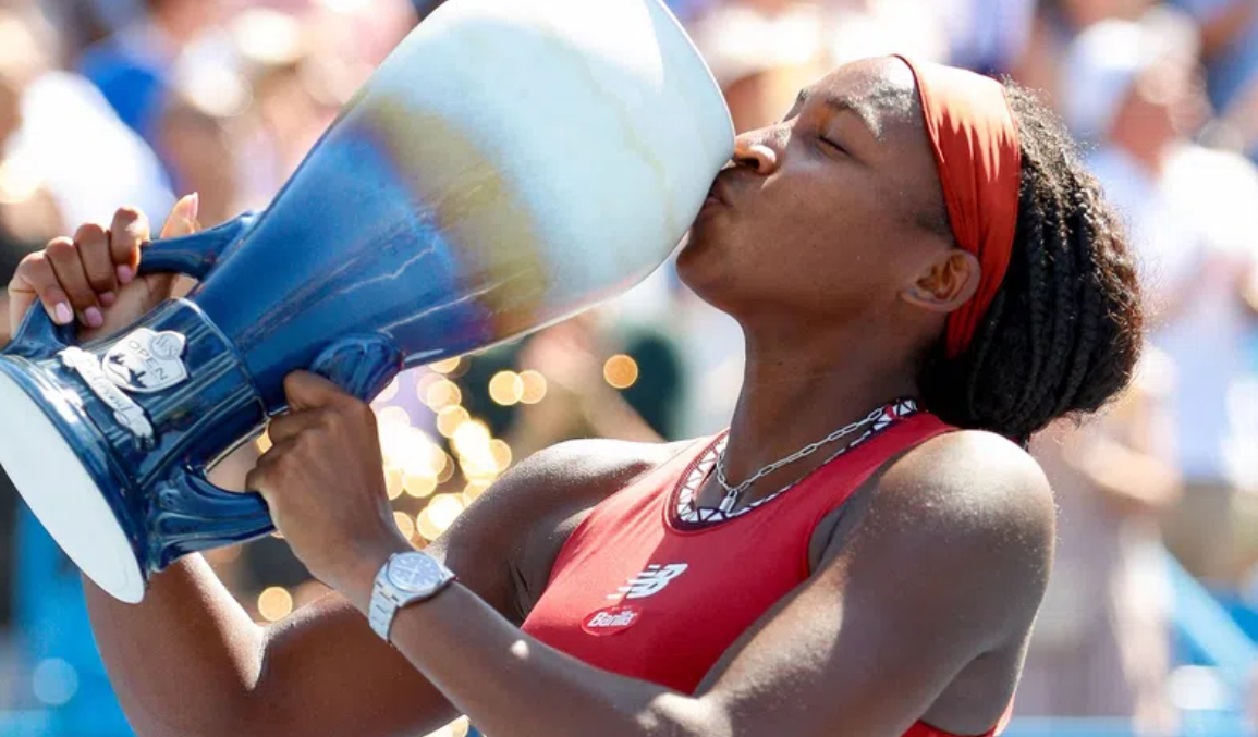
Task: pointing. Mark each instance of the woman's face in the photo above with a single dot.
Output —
(833, 212)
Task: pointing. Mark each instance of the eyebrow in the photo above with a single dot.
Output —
(847, 104)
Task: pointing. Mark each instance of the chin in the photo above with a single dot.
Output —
(690, 256)
(703, 269)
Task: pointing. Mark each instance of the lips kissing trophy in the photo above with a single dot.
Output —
(511, 163)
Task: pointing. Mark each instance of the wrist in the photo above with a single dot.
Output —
(360, 574)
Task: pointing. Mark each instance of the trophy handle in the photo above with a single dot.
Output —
(195, 255)
(362, 365)
(38, 337)
(190, 514)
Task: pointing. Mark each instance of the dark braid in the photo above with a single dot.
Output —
(1063, 334)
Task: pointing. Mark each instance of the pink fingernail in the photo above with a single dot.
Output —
(62, 314)
(93, 317)
(126, 274)
(107, 299)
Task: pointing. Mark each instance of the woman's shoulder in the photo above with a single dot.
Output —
(971, 502)
(969, 479)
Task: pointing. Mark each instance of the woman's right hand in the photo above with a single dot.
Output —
(92, 277)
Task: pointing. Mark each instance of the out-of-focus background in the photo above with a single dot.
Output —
(1151, 621)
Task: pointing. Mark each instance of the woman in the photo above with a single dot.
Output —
(917, 259)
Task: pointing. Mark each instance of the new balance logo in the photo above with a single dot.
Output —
(649, 582)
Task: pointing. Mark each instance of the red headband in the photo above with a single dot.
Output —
(975, 141)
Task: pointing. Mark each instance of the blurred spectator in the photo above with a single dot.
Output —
(1082, 14)
(1101, 644)
(133, 68)
(29, 215)
(70, 141)
(197, 145)
(1054, 26)
(988, 36)
(762, 52)
(291, 100)
(1229, 48)
(858, 29)
(1131, 87)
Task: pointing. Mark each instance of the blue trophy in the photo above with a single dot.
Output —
(512, 163)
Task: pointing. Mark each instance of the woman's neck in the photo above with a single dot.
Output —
(795, 395)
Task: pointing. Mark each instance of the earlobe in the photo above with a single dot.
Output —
(948, 283)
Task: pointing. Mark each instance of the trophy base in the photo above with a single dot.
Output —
(62, 492)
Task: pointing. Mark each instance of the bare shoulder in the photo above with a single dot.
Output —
(971, 482)
(976, 510)
(517, 527)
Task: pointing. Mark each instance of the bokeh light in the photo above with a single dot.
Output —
(405, 524)
(394, 478)
(437, 517)
(54, 682)
(620, 371)
(275, 603)
(420, 485)
(442, 393)
(447, 366)
(534, 387)
(506, 388)
(449, 419)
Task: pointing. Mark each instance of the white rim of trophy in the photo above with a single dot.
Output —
(57, 487)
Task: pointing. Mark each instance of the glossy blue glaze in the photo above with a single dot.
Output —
(354, 294)
(414, 231)
(157, 489)
(367, 263)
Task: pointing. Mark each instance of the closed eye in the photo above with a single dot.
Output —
(832, 144)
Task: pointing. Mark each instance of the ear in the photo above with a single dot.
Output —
(946, 283)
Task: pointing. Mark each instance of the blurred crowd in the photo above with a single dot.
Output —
(131, 102)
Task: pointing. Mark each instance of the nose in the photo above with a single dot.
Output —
(756, 150)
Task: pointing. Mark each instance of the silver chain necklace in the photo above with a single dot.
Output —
(734, 493)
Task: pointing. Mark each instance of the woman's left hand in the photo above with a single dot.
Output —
(323, 479)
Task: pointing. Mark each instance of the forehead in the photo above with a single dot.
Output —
(882, 90)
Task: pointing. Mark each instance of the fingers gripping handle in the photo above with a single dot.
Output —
(194, 255)
(193, 514)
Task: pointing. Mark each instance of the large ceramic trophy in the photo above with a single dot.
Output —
(510, 164)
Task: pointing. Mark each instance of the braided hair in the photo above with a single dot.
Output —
(1063, 334)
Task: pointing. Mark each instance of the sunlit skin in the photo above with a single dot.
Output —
(823, 240)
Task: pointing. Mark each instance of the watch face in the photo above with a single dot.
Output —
(414, 572)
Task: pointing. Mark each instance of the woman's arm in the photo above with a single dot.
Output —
(188, 661)
(949, 566)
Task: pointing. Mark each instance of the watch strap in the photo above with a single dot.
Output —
(387, 600)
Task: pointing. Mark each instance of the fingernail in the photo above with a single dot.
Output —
(92, 317)
(126, 274)
(107, 299)
(62, 314)
(192, 203)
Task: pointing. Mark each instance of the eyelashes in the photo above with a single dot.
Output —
(832, 144)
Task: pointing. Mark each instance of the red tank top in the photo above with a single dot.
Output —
(639, 592)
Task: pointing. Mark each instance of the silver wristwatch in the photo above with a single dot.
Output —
(404, 579)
